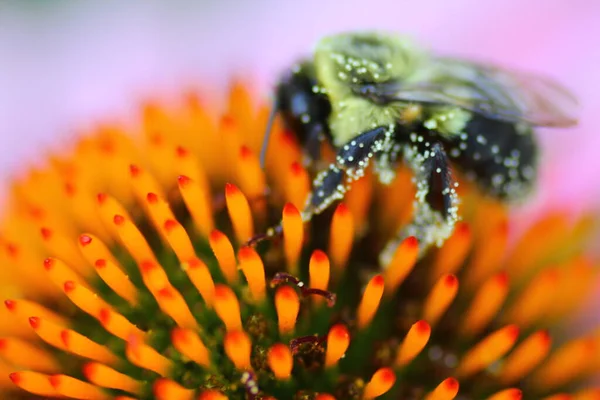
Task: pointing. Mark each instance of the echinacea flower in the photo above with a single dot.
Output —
(126, 274)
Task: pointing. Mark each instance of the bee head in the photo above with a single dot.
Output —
(348, 60)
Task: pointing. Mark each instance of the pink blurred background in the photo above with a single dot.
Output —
(66, 63)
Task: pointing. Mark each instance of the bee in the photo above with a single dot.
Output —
(380, 99)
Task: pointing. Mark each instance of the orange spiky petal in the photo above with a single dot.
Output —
(188, 343)
(439, 299)
(381, 382)
(223, 251)
(166, 389)
(143, 183)
(132, 239)
(108, 207)
(341, 237)
(250, 174)
(338, 340)
(23, 309)
(324, 396)
(507, 394)
(173, 304)
(293, 236)
(16, 351)
(63, 248)
(238, 348)
(83, 298)
(239, 213)
(402, 263)
(197, 202)
(117, 324)
(74, 388)
(370, 301)
(48, 331)
(93, 248)
(568, 362)
(534, 299)
(525, 357)
(451, 256)
(146, 357)
(280, 361)
(212, 395)
(33, 382)
(252, 266)
(574, 288)
(488, 350)
(200, 276)
(297, 185)
(559, 396)
(228, 307)
(446, 390)
(415, 340)
(535, 243)
(106, 377)
(319, 270)
(178, 240)
(118, 281)
(78, 344)
(587, 394)
(486, 304)
(359, 199)
(59, 273)
(287, 305)
(487, 255)
(154, 276)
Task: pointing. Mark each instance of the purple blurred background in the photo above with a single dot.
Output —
(65, 64)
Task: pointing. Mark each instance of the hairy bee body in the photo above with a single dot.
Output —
(378, 99)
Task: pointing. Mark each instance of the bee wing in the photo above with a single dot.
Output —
(496, 93)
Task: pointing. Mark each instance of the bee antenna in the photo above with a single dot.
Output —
(267, 137)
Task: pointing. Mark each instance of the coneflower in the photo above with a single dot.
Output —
(125, 275)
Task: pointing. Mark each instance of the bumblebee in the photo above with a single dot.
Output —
(379, 99)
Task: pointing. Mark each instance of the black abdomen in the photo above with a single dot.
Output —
(500, 156)
(304, 111)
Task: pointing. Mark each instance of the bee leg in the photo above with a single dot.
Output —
(328, 187)
(435, 206)
(315, 137)
(331, 184)
(351, 161)
(440, 185)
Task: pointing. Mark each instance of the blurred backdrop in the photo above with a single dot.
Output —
(65, 64)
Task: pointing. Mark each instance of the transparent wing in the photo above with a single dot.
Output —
(511, 96)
